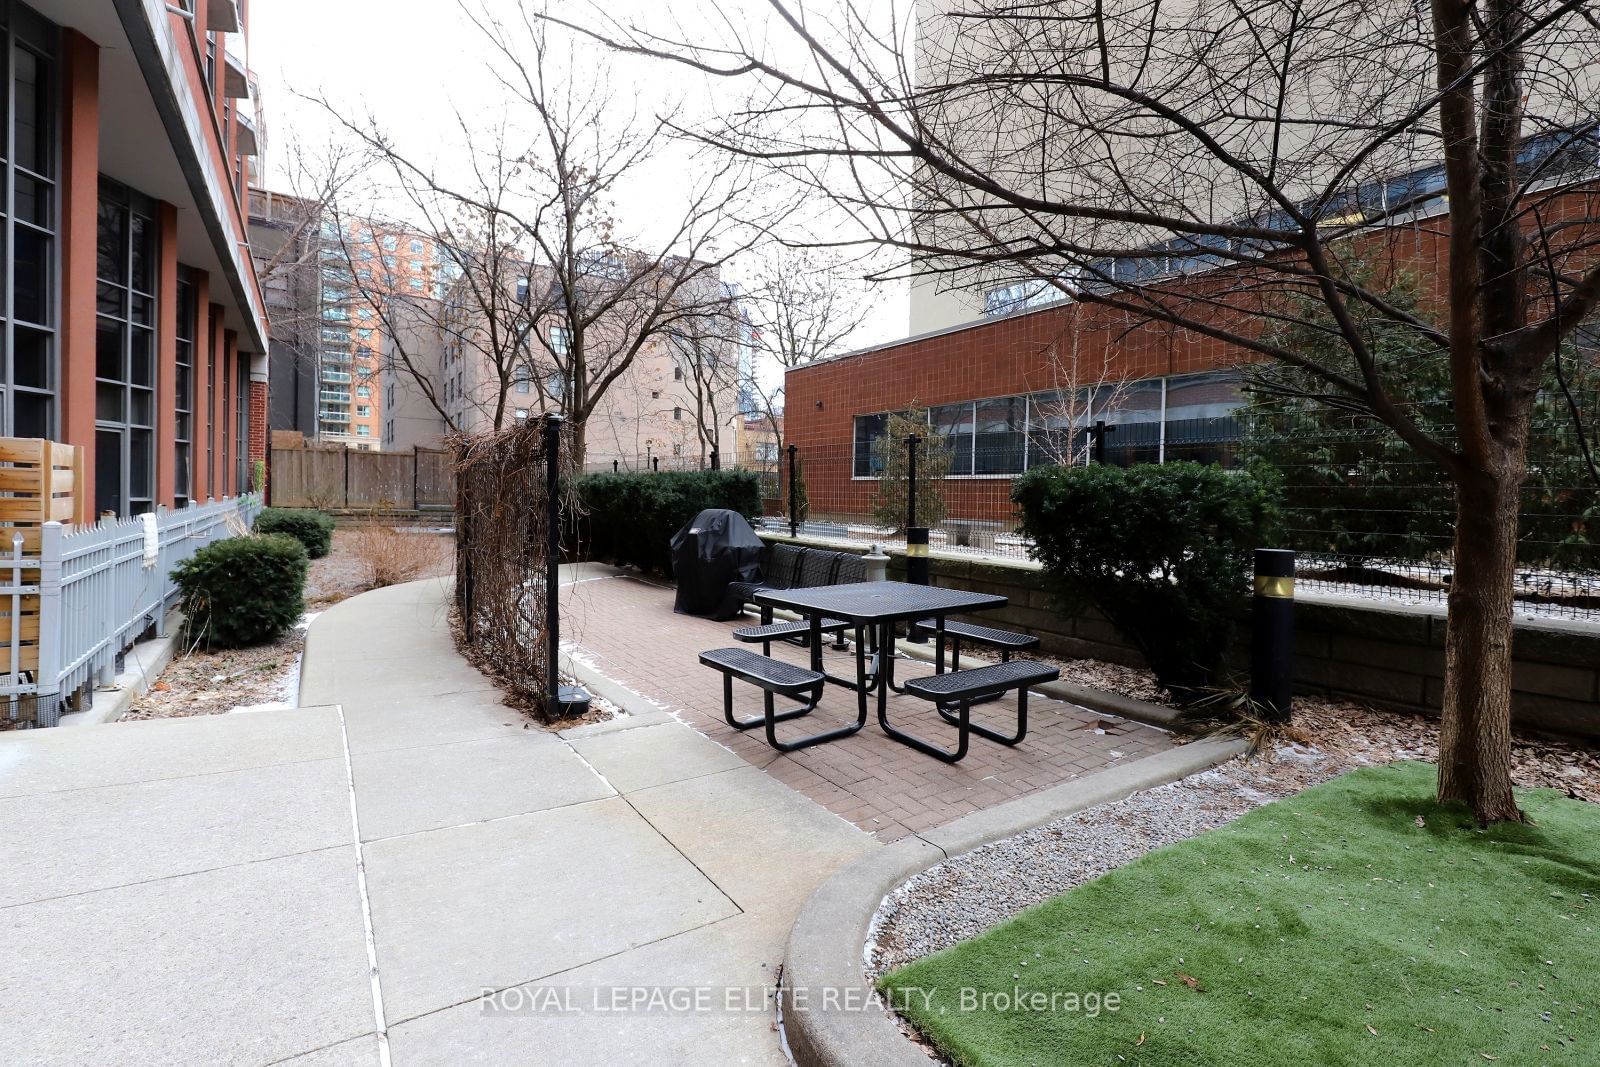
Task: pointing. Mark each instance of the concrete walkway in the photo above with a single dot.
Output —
(343, 883)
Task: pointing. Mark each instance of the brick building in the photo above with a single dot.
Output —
(1017, 390)
(134, 325)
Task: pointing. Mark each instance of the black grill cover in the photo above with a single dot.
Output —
(715, 550)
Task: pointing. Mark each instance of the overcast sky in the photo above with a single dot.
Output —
(411, 65)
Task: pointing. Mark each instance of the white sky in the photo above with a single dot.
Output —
(411, 64)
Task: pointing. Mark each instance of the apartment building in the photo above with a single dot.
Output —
(676, 398)
(135, 323)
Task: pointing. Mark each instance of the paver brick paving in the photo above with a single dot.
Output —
(625, 626)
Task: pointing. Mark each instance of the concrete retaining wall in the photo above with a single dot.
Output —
(1389, 655)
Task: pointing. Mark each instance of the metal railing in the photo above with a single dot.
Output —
(99, 589)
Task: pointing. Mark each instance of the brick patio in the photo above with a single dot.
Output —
(626, 627)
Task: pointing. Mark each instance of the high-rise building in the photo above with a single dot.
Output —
(133, 322)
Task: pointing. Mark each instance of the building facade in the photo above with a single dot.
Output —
(676, 401)
(134, 325)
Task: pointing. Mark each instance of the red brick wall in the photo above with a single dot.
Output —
(258, 427)
(1026, 353)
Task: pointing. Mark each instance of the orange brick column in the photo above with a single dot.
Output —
(80, 211)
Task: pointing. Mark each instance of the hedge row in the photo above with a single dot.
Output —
(314, 529)
(630, 518)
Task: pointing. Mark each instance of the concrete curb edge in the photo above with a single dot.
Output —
(823, 957)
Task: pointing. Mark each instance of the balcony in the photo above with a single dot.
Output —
(222, 15)
(334, 416)
(248, 140)
(334, 396)
(235, 80)
(337, 377)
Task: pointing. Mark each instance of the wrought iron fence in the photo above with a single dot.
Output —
(89, 594)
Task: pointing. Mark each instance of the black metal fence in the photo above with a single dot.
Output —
(1367, 517)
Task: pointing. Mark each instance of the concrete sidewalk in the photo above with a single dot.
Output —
(342, 883)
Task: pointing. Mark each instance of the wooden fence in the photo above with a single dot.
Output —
(422, 479)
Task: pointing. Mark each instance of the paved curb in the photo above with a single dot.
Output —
(828, 1017)
(637, 710)
(142, 665)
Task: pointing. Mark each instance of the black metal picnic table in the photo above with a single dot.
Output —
(873, 608)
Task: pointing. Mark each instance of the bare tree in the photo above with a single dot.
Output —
(803, 308)
(705, 352)
(1201, 168)
(551, 286)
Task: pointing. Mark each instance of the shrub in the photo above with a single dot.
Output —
(243, 590)
(892, 459)
(314, 529)
(1163, 551)
(391, 557)
(630, 518)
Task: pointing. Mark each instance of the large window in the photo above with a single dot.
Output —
(1193, 416)
(28, 345)
(125, 352)
(183, 444)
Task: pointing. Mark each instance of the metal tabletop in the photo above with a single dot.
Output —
(868, 602)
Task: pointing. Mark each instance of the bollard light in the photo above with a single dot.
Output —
(1272, 634)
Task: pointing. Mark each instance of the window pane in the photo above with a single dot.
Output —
(30, 414)
(31, 361)
(1134, 409)
(1202, 417)
(142, 249)
(33, 201)
(999, 442)
(953, 422)
(868, 429)
(140, 356)
(108, 402)
(139, 484)
(33, 111)
(108, 349)
(111, 246)
(108, 471)
(30, 274)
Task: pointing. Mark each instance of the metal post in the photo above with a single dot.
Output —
(346, 475)
(655, 463)
(416, 502)
(1272, 634)
(1097, 435)
(564, 700)
(716, 462)
(794, 494)
(916, 535)
(616, 466)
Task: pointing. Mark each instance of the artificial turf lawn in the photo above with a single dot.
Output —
(1326, 928)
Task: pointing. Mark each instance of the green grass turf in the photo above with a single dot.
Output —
(1326, 928)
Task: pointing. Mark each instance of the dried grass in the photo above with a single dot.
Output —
(390, 557)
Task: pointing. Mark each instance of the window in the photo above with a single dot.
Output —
(388, 262)
(416, 265)
(364, 333)
(655, 394)
(211, 64)
(363, 411)
(560, 340)
(416, 245)
(677, 413)
(241, 425)
(953, 422)
(522, 379)
(125, 351)
(363, 431)
(28, 336)
(364, 392)
(335, 335)
(416, 283)
(390, 243)
(677, 373)
(1202, 417)
(868, 429)
(1001, 435)
(1134, 410)
(183, 438)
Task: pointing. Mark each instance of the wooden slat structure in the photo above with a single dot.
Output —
(39, 483)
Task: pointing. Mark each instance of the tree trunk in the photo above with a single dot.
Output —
(1475, 738)
(579, 445)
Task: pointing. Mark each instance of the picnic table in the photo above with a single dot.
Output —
(873, 609)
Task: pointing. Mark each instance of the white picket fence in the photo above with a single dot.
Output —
(100, 589)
